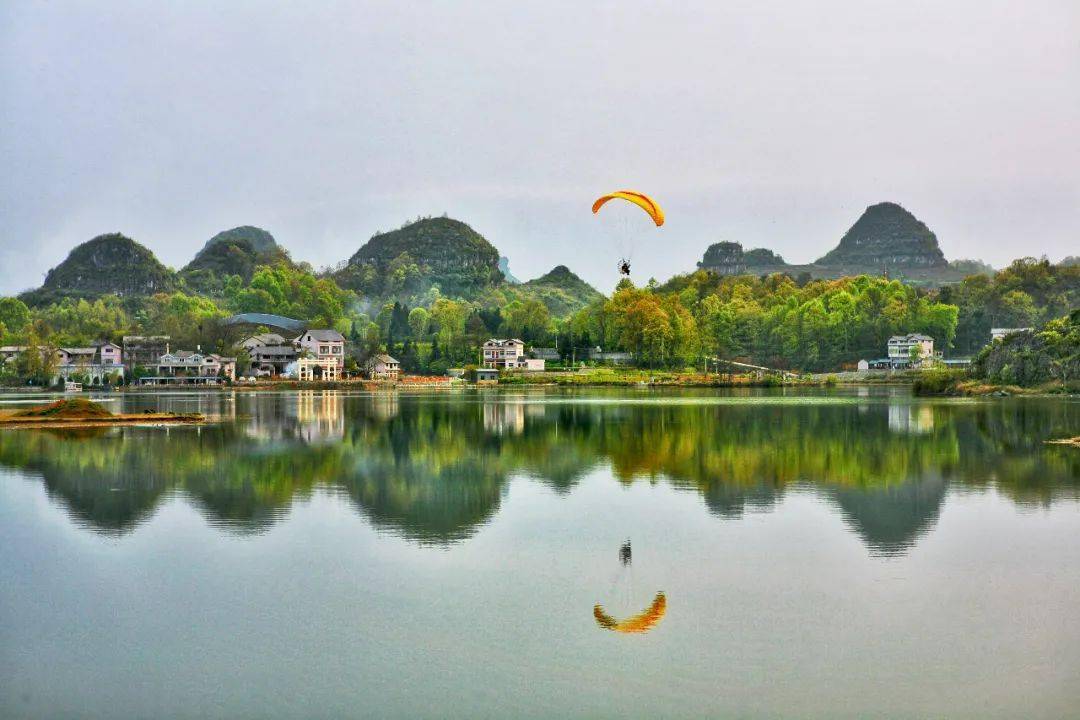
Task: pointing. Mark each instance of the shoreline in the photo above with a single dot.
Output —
(14, 422)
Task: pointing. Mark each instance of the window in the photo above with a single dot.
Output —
(336, 349)
(324, 349)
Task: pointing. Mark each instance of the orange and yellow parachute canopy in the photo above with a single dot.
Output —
(642, 622)
(642, 200)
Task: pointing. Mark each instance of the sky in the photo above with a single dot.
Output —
(772, 124)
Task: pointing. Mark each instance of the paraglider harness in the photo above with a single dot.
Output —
(624, 267)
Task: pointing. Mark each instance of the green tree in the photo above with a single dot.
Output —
(418, 323)
(14, 315)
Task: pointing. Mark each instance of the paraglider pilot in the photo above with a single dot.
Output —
(624, 267)
(625, 553)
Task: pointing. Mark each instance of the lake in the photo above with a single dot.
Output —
(549, 553)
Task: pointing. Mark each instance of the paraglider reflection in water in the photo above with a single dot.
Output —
(641, 200)
(642, 622)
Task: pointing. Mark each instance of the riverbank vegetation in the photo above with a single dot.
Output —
(773, 320)
(1043, 360)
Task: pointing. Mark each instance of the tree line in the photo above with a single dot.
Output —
(773, 320)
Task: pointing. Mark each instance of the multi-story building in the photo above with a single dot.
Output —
(271, 359)
(144, 350)
(382, 367)
(503, 354)
(904, 349)
(322, 345)
(188, 364)
(98, 363)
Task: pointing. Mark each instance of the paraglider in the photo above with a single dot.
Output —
(641, 200)
(625, 553)
(642, 622)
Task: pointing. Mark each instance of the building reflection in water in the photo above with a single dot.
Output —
(321, 416)
(435, 471)
(508, 417)
(914, 419)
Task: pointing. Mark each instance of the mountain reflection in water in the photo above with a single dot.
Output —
(434, 468)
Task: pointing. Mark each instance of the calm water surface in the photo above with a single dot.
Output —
(849, 554)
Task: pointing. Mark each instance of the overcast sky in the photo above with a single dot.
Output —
(771, 124)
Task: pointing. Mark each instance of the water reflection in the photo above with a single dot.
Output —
(889, 519)
(435, 469)
(640, 623)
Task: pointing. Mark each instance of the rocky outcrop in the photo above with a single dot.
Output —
(886, 236)
(108, 264)
(724, 258)
(763, 258)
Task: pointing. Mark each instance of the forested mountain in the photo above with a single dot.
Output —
(433, 290)
(108, 264)
(885, 240)
(232, 252)
(408, 262)
(261, 241)
(562, 291)
(886, 236)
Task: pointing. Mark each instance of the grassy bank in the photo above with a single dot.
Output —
(79, 412)
(957, 383)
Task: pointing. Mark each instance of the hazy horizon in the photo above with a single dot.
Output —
(758, 123)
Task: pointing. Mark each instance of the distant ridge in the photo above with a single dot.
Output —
(885, 239)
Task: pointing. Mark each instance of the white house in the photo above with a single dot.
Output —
(900, 348)
(529, 364)
(382, 367)
(503, 353)
(184, 363)
(323, 344)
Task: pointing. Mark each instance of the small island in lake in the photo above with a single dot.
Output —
(78, 412)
